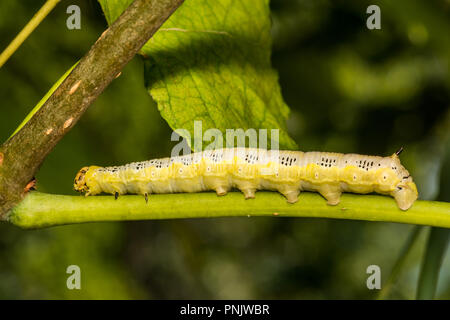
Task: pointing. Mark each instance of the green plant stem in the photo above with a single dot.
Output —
(27, 30)
(40, 210)
(401, 261)
(44, 99)
(432, 261)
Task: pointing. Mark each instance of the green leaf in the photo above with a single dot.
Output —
(210, 62)
(113, 8)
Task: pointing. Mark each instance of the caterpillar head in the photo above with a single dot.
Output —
(84, 182)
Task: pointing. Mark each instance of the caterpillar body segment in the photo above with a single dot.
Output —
(249, 170)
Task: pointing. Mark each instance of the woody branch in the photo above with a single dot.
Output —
(22, 155)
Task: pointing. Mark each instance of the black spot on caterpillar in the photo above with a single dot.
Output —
(249, 170)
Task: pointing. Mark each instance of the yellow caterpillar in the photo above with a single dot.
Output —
(287, 172)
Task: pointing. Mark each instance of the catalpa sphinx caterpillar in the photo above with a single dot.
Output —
(249, 170)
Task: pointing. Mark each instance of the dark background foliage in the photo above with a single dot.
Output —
(350, 90)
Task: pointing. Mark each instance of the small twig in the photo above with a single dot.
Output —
(25, 151)
(27, 30)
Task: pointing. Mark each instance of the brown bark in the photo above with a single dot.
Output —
(22, 155)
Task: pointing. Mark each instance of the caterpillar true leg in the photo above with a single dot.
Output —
(116, 195)
(146, 197)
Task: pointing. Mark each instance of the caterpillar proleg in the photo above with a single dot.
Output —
(249, 170)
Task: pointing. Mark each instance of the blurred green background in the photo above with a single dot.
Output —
(350, 89)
